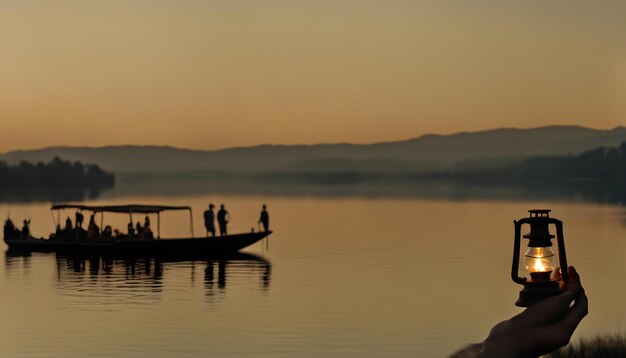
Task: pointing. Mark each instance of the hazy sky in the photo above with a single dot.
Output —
(211, 74)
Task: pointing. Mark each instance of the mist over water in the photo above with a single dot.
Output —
(348, 273)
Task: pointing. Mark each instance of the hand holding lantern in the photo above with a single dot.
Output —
(541, 328)
(557, 303)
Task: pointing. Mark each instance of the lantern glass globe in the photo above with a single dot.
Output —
(539, 262)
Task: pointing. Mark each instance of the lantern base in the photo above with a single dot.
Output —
(537, 291)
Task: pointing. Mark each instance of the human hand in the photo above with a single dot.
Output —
(543, 327)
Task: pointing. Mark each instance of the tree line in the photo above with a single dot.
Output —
(57, 173)
(599, 163)
(604, 164)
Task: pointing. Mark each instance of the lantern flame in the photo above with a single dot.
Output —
(539, 259)
(540, 267)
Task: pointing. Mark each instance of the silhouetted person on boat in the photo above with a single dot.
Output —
(9, 229)
(209, 221)
(92, 230)
(67, 230)
(147, 233)
(26, 229)
(139, 230)
(222, 215)
(265, 218)
(79, 219)
(131, 231)
(107, 233)
(58, 232)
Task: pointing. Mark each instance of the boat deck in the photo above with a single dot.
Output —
(211, 245)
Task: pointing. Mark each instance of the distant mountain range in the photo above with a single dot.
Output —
(461, 151)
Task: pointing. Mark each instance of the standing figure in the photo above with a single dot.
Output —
(79, 219)
(265, 218)
(221, 220)
(209, 221)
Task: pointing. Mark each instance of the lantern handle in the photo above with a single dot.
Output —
(561, 240)
(516, 250)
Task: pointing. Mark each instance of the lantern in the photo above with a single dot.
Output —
(545, 278)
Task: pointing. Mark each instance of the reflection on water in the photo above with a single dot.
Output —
(367, 186)
(608, 191)
(140, 280)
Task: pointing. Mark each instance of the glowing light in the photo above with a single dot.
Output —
(540, 267)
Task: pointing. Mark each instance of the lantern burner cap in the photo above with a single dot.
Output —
(539, 212)
(539, 234)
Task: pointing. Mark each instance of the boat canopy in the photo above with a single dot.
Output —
(124, 209)
(144, 209)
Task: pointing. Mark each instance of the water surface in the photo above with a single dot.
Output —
(344, 276)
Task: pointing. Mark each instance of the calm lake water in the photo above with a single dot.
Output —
(343, 277)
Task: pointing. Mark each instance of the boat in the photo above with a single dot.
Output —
(105, 241)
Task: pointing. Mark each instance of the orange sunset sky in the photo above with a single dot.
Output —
(213, 74)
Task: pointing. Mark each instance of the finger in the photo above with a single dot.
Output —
(574, 287)
(574, 278)
(575, 315)
(548, 310)
(549, 338)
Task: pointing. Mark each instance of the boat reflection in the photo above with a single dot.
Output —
(141, 280)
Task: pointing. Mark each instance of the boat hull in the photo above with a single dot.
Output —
(212, 246)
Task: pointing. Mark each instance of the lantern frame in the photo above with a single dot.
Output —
(539, 236)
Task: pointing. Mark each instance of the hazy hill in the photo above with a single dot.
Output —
(429, 152)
